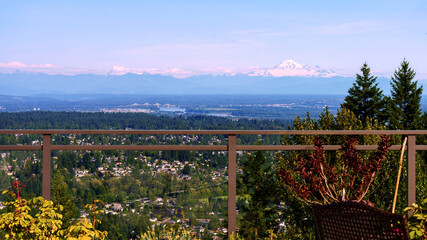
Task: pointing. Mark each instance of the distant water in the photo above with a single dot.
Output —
(172, 109)
(219, 114)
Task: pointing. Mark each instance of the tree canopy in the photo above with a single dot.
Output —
(365, 98)
(405, 106)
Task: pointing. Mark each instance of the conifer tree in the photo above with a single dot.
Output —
(62, 196)
(259, 182)
(405, 106)
(365, 99)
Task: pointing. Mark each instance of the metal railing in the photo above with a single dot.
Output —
(231, 148)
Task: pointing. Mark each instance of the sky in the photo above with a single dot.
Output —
(196, 37)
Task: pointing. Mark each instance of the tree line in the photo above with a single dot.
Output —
(401, 110)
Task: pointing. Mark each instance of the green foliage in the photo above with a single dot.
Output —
(84, 230)
(170, 232)
(18, 223)
(259, 182)
(214, 223)
(40, 219)
(270, 235)
(405, 106)
(126, 226)
(61, 196)
(418, 221)
(186, 170)
(5, 181)
(235, 236)
(365, 99)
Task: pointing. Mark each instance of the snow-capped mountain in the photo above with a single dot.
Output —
(290, 68)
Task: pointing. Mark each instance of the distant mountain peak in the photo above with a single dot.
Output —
(290, 68)
(290, 64)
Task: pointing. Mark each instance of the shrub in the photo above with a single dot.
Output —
(418, 221)
(173, 233)
(40, 219)
(317, 182)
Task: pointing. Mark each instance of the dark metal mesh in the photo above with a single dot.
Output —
(352, 220)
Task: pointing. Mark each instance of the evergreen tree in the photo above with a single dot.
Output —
(5, 182)
(214, 223)
(259, 182)
(405, 107)
(365, 99)
(62, 196)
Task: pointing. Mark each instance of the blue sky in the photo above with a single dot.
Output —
(211, 36)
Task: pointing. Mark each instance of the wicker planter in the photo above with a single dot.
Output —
(355, 220)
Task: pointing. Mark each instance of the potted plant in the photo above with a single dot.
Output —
(315, 181)
(336, 193)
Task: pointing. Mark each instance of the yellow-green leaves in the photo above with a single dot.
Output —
(40, 219)
(418, 221)
(172, 233)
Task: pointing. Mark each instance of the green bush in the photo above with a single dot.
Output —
(173, 233)
(40, 219)
(418, 221)
(272, 235)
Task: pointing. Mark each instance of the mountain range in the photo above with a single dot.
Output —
(23, 84)
(289, 77)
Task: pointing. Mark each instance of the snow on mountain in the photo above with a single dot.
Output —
(290, 68)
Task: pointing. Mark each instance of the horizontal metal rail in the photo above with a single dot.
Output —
(215, 132)
(194, 147)
(232, 147)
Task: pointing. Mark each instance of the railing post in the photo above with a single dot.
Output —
(46, 166)
(231, 184)
(411, 169)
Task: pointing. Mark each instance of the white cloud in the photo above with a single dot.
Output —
(19, 66)
(48, 68)
(13, 65)
(119, 70)
(219, 71)
(176, 72)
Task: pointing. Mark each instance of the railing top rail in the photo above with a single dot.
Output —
(215, 132)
